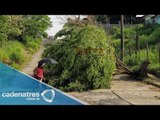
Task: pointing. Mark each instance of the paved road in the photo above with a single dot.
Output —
(124, 91)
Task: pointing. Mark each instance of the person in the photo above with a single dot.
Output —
(38, 72)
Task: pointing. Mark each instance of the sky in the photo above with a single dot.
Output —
(57, 23)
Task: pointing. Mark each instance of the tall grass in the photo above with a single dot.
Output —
(12, 53)
(147, 34)
(135, 60)
(151, 39)
(32, 44)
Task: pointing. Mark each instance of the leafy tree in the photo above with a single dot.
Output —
(4, 20)
(101, 18)
(19, 33)
(35, 25)
(15, 26)
(85, 59)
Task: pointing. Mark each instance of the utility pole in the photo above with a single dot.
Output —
(137, 38)
(122, 38)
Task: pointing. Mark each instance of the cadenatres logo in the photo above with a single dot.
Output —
(46, 98)
(48, 95)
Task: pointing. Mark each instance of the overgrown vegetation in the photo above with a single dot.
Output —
(19, 34)
(85, 58)
(148, 35)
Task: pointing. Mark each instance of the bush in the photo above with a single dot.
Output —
(15, 65)
(13, 52)
(147, 34)
(129, 32)
(32, 44)
(31, 50)
(115, 31)
(136, 59)
(155, 67)
(4, 56)
(74, 86)
(148, 29)
(85, 59)
(151, 39)
(45, 34)
(16, 52)
(17, 57)
(38, 41)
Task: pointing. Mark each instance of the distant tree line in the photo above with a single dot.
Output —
(18, 26)
(115, 19)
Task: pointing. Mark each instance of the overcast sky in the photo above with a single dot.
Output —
(57, 23)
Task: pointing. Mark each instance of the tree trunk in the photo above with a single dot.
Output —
(121, 68)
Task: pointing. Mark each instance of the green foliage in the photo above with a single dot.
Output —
(15, 27)
(129, 32)
(32, 44)
(3, 28)
(147, 34)
(115, 32)
(85, 59)
(155, 66)
(136, 59)
(101, 18)
(16, 52)
(13, 52)
(15, 65)
(19, 33)
(151, 39)
(45, 34)
(148, 29)
(3, 55)
(36, 25)
(75, 86)
(17, 57)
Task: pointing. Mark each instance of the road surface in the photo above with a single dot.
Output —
(124, 91)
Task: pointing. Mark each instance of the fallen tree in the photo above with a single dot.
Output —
(122, 68)
(85, 59)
